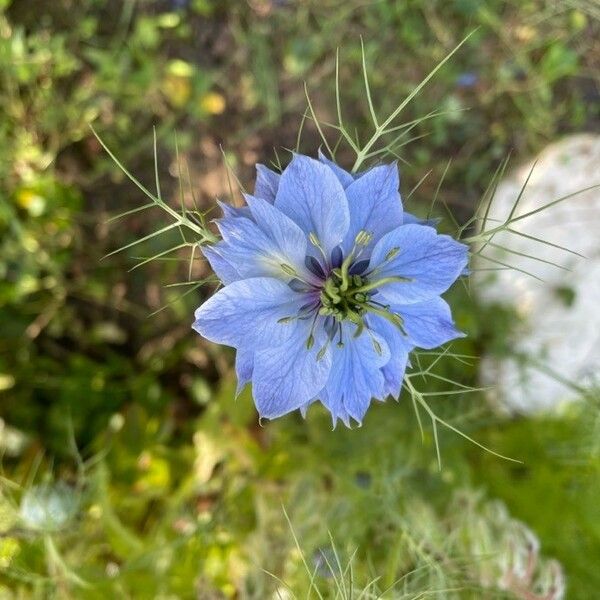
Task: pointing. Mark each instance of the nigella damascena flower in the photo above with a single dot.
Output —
(328, 285)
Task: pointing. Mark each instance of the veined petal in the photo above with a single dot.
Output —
(267, 182)
(310, 194)
(356, 375)
(288, 375)
(224, 270)
(344, 177)
(286, 235)
(262, 250)
(233, 212)
(399, 345)
(430, 262)
(244, 365)
(246, 313)
(374, 203)
(428, 324)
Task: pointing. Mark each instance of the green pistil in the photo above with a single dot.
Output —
(385, 312)
(362, 239)
(346, 297)
(381, 282)
(338, 297)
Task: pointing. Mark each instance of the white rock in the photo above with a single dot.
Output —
(556, 344)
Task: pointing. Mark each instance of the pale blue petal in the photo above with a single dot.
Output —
(430, 261)
(267, 182)
(399, 345)
(257, 250)
(288, 238)
(428, 324)
(304, 408)
(344, 177)
(310, 194)
(288, 375)
(224, 270)
(356, 375)
(245, 314)
(233, 212)
(244, 365)
(374, 203)
(410, 219)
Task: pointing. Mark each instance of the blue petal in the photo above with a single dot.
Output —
(225, 271)
(245, 314)
(244, 365)
(304, 408)
(344, 177)
(260, 249)
(400, 346)
(410, 219)
(356, 375)
(267, 182)
(287, 376)
(428, 324)
(286, 235)
(234, 211)
(374, 204)
(310, 195)
(430, 261)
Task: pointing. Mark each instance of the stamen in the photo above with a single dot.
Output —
(321, 352)
(392, 253)
(310, 342)
(314, 240)
(377, 346)
(363, 238)
(289, 270)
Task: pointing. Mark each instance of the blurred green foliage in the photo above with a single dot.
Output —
(129, 471)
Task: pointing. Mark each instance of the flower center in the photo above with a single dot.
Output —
(342, 296)
(345, 295)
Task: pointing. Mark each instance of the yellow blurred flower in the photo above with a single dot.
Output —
(6, 381)
(176, 83)
(31, 201)
(525, 33)
(212, 103)
(9, 548)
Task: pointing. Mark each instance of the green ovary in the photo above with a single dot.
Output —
(342, 297)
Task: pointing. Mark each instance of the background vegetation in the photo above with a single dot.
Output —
(128, 469)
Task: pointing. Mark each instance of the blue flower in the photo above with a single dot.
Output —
(328, 285)
(467, 80)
